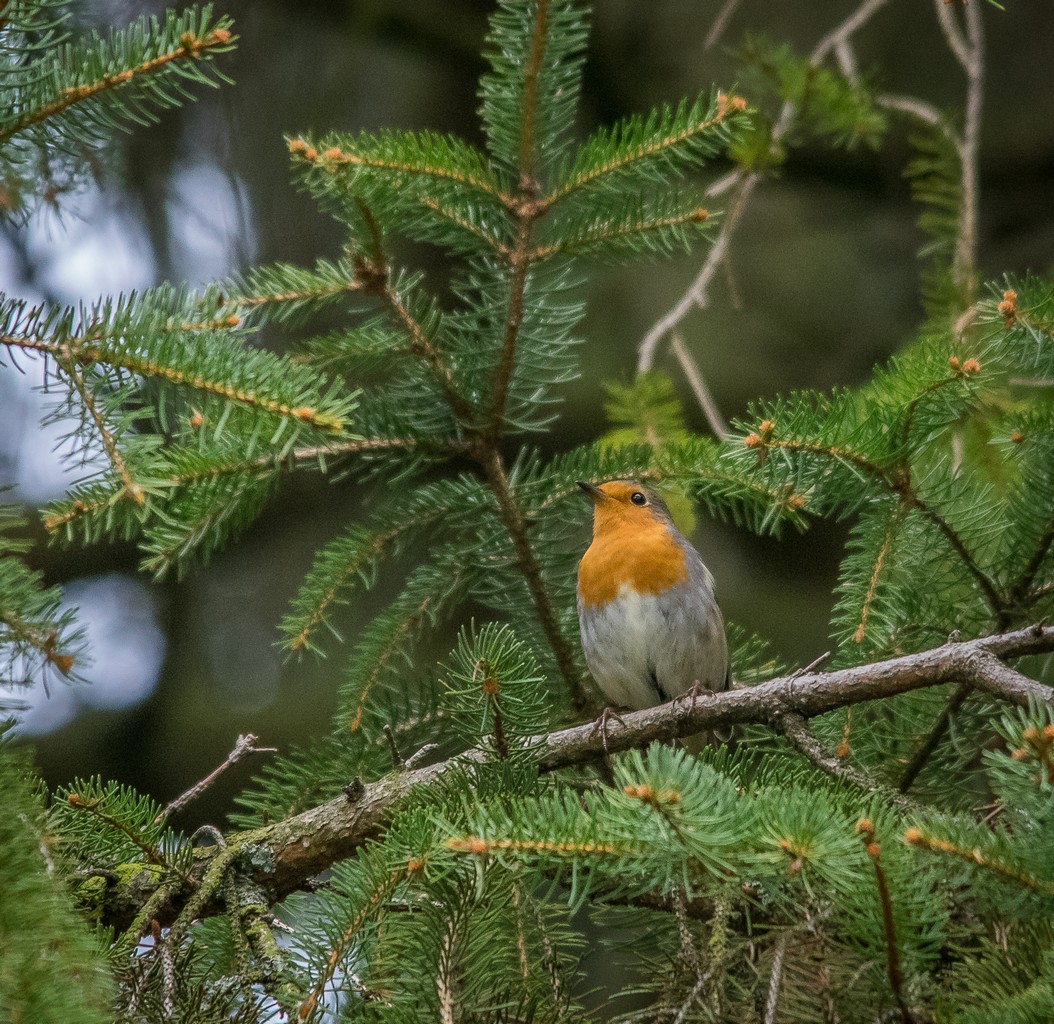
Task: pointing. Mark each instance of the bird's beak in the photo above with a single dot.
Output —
(593, 491)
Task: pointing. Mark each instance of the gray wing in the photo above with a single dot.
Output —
(701, 651)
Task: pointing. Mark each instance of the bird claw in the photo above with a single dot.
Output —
(692, 694)
(601, 725)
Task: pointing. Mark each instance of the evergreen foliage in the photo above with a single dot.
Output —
(51, 966)
(64, 96)
(873, 889)
(38, 639)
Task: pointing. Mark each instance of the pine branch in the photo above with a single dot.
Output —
(471, 227)
(286, 854)
(894, 971)
(529, 104)
(311, 1003)
(402, 160)
(421, 343)
(54, 969)
(536, 51)
(519, 261)
(650, 148)
(94, 808)
(997, 679)
(36, 636)
(189, 49)
(192, 47)
(135, 335)
(933, 738)
(282, 290)
(995, 600)
(633, 231)
(336, 566)
(897, 481)
(917, 837)
(512, 517)
(130, 489)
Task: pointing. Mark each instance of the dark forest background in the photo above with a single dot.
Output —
(824, 284)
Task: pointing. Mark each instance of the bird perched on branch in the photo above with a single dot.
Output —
(651, 628)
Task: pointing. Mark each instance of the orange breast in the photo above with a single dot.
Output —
(648, 560)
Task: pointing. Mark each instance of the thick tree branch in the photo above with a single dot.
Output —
(282, 857)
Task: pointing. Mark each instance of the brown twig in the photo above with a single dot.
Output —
(795, 729)
(243, 746)
(933, 738)
(866, 831)
(813, 665)
(512, 518)
(696, 381)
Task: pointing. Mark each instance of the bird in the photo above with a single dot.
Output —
(650, 625)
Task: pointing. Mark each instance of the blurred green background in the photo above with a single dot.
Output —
(823, 283)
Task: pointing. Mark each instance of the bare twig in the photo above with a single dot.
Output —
(812, 666)
(693, 995)
(244, 745)
(795, 729)
(283, 856)
(925, 112)
(744, 182)
(969, 52)
(776, 977)
(703, 395)
(952, 33)
(1032, 382)
(717, 29)
(698, 293)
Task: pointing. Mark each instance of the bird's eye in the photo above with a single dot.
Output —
(638, 498)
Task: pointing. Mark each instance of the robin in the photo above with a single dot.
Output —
(651, 627)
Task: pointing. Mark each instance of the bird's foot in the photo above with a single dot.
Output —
(601, 725)
(692, 694)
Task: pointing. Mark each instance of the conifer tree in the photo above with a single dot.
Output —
(830, 864)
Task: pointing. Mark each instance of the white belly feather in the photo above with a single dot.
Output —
(644, 649)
